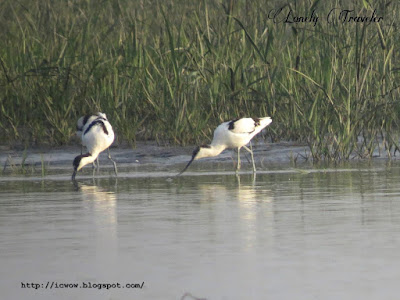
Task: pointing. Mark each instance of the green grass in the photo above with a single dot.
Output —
(23, 167)
(172, 70)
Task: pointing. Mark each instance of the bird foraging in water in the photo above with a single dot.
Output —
(84, 121)
(97, 135)
(82, 124)
(232, 134)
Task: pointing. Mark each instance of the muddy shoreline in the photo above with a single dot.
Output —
(151, 160)
(149, 153)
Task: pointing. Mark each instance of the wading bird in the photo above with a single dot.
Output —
(85, 121)
(82, 124)
(232, 134)
(97, 135)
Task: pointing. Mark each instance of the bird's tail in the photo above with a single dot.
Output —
(264, 122)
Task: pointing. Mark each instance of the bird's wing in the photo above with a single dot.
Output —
(96, 123)
(244, 125)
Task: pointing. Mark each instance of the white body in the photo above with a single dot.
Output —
(96, 139)
(240, 135)
(80, 124)
(84, 122)
(97, 135)
(233, 134)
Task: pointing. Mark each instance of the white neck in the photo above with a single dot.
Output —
(87, 160)
(209, 152)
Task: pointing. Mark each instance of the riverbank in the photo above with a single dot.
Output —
(147, 155)
(150, 159)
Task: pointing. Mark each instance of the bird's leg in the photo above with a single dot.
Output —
(252, 157)
(96, 164)
(254, 179)
(238, 178)
(115, 165)
(238, 160)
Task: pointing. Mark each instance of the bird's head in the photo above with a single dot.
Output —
(80, 161)
(198, 152)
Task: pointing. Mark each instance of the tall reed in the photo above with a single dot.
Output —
(172, 70)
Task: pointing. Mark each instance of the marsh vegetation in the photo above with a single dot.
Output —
(173, 70)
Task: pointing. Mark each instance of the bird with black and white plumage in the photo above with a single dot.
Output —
(97, 135)
(82, 123)
(232, 134)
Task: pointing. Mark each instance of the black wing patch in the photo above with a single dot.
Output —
(232, 124)
(101, 118)
(256, 122)
(84, 121)
(95, 122)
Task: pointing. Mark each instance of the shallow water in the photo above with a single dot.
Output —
(286, 234)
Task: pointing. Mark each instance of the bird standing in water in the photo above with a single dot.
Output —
(85, 121)
(82, 124)
(232, 134)
(97, 135)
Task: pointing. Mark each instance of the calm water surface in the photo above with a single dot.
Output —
(314, 234)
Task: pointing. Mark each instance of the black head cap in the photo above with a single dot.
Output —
(195, 151)
(76, 162)
(194, 154)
